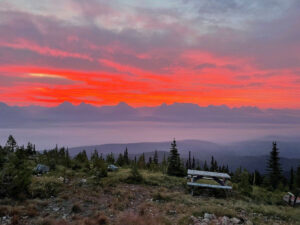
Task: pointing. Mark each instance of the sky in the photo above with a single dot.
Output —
(145, 53)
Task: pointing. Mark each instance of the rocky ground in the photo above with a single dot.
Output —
(159, 200)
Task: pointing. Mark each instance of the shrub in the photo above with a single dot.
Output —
(44, 187)
(244, 186)
(15, 177)
(135, 177)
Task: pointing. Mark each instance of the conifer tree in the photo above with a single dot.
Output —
(213, 165)
(174, 163)
(205, 167)
(126, 157)
(142, 162)
(11, 144)
(95, 157)
(150, 160)
(297, 181)
(292, 179)
(120, 160)
(67, 159)
(164, 164)
(110, 159)
(257, 178)
(189, 161)
(193, 163)
(155, 158)
(274, 167)
(198, 166)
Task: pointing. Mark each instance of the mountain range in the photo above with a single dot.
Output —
(11, 116)
(252, 155)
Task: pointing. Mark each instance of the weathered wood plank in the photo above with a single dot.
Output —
(208, 174)
(209, 186)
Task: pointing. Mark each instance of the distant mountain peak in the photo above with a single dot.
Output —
(65, 105)
(2, 104)
(122, 104)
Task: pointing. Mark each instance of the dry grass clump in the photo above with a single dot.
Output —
(76, 208)
(99, 219)
(15, 220)
(43, 221)
(215, 209)
(4, 210)
(135, 219)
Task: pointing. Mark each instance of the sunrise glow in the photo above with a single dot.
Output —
(107, 52)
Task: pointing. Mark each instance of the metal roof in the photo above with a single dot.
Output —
(208, 174)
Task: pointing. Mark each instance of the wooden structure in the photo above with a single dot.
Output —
(220, 178)
(290, 199)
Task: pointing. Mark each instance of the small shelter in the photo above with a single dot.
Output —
(41, 169)
(220, 178)
(112, 168)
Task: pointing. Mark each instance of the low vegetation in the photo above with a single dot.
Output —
(82, 191)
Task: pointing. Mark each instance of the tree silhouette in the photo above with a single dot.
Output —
(11, 143)
(155, 158)
(292, 179)
(193, 163)
(205, 167)
(274, 167)
(126, 157)
(142, 162)
(175, 168)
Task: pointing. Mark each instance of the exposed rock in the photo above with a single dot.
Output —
(209, 216)
(205, 220)
(83, 181)
(235, 220)
(225, 220)
(248, 223)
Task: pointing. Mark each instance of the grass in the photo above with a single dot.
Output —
(159, 199)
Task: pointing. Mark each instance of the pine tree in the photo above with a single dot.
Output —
(11, 144)
(297, 181)
(16, 176)
(274, 167)
(95, 157)
(175, 168)
(193, 163)
(67, 159)
(198, 166)
(120, 160)
(126, 157)
(257, 178)
(150, 160)
(205, 167)
(142, 162)
(155, 158)
(110, 159)
(213, 165)
(190, 161)
(292, 179)
(164, 164)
